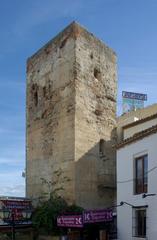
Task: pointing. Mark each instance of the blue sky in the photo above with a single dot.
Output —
(128, 26)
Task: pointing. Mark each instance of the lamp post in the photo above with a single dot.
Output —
(129, 204)
(13, 225)
(26, 214)
(8, 216)
(133, 206)
(4, 213)
(148, 195)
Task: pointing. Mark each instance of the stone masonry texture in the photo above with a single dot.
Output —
(71, 106)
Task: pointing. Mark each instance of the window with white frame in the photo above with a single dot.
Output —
(139, 222)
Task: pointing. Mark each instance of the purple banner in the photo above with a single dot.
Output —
(70, 221)
(93, 216)
(16, 207)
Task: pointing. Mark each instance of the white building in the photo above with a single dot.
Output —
(137, 180)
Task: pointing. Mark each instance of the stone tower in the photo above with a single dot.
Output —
(71, 112)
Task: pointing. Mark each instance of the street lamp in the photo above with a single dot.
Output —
(148, 195)
(4, 213)
(26, 214)
(129, 204)
(8, 216)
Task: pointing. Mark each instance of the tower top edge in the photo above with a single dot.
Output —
(74, 29)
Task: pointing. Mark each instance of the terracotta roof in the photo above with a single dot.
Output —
(137, 136)
(140, 121)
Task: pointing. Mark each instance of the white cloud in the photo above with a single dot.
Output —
(11, 177)
(16, 191)
(12, 183)
(13, 160)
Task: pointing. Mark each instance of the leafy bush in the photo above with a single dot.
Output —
(45, 215)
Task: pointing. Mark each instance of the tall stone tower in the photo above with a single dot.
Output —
(71, 112)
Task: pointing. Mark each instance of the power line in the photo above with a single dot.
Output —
(133, 179)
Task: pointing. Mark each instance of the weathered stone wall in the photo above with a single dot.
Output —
(50, 115)
(96, 88)
(71, 105)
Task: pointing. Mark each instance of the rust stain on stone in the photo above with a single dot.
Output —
(76, 31)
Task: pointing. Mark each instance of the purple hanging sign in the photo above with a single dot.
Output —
(70, 221)
(93, 216)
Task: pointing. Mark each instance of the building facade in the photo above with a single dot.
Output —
(71, 117)
(136, 180)
(133, 116)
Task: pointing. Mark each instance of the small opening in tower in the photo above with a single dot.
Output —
(91, 55)
(101, 147)
(44, 91)
(36, 98)
(33, 86)
(97, 74)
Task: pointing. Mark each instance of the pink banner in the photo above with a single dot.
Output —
(16, 207)
(90, 216)
(13, 204)
(70, 221)
(93, 216)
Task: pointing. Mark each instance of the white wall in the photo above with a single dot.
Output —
(125, 165)
(129, 132)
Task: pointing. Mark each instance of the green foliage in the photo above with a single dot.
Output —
(4, 236)
(74, 209)
(52, 205)
(45, 215)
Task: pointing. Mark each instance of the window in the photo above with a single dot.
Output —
(139, 222)
(101, 147)
(141, 172)
(97, 74)
(36, 98)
